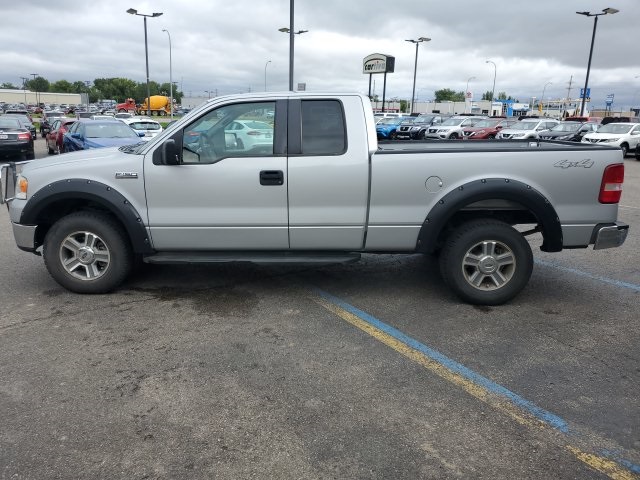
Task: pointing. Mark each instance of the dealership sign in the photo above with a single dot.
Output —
(378, 63)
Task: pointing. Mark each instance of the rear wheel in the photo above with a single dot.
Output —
(486, 262)
(50, 150)
(86, 252)
(393, 135)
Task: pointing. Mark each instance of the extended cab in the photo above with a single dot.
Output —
(313, 185)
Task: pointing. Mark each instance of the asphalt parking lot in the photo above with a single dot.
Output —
(368, 370)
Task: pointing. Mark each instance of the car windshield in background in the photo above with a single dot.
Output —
(390, 120)
(109, 130)
(258, 125)
(524, 126)
(566, 127)
(452, 122)
(145, 126)
(616, 128)
(423, 119)
(487, 123)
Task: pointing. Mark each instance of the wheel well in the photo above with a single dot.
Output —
(505, 211)
(54, 211)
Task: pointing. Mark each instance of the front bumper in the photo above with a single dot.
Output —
(25, 236)
(609, 235)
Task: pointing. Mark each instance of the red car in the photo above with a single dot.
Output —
(54, 138)
(485, 129)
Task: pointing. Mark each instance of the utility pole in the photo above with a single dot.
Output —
(568, 94)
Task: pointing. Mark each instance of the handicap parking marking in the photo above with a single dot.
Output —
(609, 462)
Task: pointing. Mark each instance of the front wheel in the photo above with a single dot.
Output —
(86, 252)
(625, 149)
(454, 136)
(486, 262)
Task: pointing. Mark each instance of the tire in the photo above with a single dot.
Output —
(486, 262)
(58, 149)
(453, 136)
(393, 135)
(625, 149)
(87, 252)
(50, 150)
(422, 134)
(638, 152)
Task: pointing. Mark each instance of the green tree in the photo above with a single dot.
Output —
(486, 95)
(38, 84)
(403, 106)
(61, 86)
(9, 85)
(448, 95)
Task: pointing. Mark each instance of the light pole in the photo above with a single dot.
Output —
(493, 89)
(291, 33)
(35, 87)
(170, 73)
(593, 37)
(466, 93)
(265, 74)
(208, 92)
(133, 11)
(542, 97)
(24, 89)
(415, 66)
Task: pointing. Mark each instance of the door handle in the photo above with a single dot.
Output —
(271, 177)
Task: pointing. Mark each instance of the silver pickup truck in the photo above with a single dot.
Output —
(300, 177)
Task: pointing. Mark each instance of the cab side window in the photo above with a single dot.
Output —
(323, 128)
(238, 130)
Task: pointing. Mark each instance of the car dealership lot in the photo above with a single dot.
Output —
(369, 370)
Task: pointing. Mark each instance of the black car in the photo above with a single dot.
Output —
(569, 131)
(16, 142)
(415, 127)
(25, 121)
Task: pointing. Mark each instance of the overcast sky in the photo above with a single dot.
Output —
(224, 46)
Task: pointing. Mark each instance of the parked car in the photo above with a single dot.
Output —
(25, 121)
(149, 128)
(55, 136)
(121, 115)
(16, 141)
(88, 134)
(416, 127)
(387, 128)
(19, 111)
(102, 117)
(623, 135)
(571, 131)
(487, 129)
(527, 128)
(453, 127)
(607, 120)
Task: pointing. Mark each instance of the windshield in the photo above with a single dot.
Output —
(109, 130)
(145, 126)
(486, 123)
(9, 123)
(566, 127)
(616, 128)
(524, 126)
(389, 120)
(452, 122)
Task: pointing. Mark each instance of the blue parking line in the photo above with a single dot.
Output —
(616, 283)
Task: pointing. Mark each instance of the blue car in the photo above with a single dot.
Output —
(387, 127)
(86, 134)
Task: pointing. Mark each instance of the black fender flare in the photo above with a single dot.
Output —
(487, 189)
(99, 193)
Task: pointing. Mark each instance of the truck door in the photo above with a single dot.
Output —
(328, 173)
(230, 189)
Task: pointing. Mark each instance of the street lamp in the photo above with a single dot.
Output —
(170, 73)
(291, 33)
(35, 87)
(133, 11)
(595, 16)
(466, 93)
(265, 74)
(415, 66)
(24, 89)
(493, 90)
(208, 92)
(542, 97)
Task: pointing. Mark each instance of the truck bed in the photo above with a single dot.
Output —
(433, 146)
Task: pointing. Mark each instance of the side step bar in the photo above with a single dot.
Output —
(252, 257)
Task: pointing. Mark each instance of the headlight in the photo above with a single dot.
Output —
(518, 135)
(443, 130)
(22, 185)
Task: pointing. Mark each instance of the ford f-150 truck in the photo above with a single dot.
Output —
(300, 177)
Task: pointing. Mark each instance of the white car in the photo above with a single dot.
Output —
(623, 135)
(249, 134)
(527, 128)
(150, 128)
(452, 128)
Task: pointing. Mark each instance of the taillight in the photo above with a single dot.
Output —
(611, 186)
(24, 136)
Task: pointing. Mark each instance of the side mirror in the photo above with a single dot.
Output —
(170, 153)
(141, 134)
